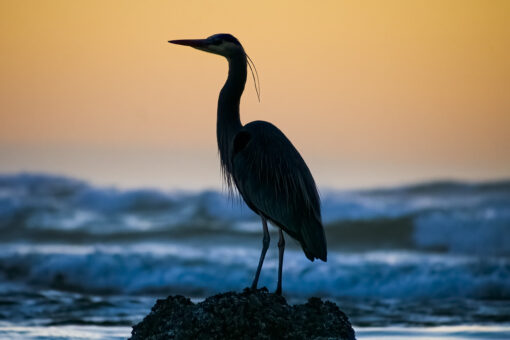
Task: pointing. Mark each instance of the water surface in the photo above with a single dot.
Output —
(82, 262)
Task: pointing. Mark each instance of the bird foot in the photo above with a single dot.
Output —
(251, 289)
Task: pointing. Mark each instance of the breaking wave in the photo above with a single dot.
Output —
(170, 269)
(443, 216)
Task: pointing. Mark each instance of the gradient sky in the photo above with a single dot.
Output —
(371, 92)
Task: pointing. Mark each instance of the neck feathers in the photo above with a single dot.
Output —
(228, 121)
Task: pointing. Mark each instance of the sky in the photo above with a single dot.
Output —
(372, 93)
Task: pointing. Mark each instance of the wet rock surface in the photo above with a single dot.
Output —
(247, 315)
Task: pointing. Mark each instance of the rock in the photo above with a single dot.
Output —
(247, 315)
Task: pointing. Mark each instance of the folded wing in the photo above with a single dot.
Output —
(275, 182)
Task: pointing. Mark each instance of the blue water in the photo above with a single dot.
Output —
(80, 262)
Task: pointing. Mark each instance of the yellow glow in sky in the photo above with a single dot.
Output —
(370, 92)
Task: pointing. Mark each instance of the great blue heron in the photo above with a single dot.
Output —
(262, 163)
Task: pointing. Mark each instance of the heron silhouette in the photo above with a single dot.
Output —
(262, 163)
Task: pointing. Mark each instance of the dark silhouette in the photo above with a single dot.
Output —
(262, 163)
(251, 314)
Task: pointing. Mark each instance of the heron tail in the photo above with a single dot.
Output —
(313, 241)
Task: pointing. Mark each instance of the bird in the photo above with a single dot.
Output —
(263, 165)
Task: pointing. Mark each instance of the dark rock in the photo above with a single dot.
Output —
(247, 315)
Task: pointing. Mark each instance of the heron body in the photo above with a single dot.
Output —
(264, 166)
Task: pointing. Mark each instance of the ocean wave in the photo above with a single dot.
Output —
(200, 271)
(442, 216)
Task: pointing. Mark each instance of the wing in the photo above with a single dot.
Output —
(275, 182)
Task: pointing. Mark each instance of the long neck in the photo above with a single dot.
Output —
(228, 121)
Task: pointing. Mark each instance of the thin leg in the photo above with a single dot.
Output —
(265, 245)
(281, 249)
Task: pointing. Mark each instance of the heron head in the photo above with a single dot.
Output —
(223, 44)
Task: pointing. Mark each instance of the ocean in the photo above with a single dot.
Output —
(424, 261)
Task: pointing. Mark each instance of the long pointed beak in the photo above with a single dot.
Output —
(197, 43)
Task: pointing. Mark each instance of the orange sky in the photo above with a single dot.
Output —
(371, 92)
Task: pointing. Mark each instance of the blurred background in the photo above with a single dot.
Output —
(110, 189)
